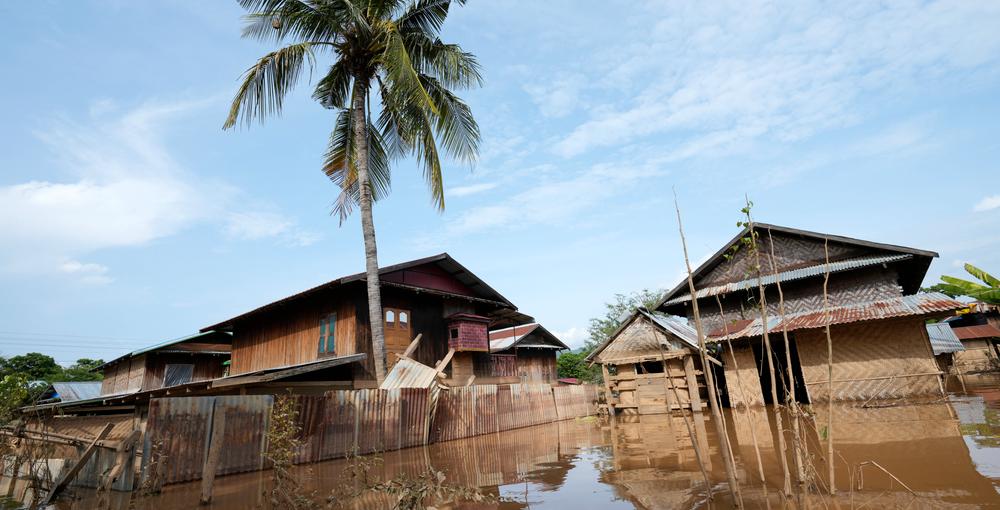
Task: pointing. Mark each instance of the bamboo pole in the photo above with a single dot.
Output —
(749, 409)
(762, 305)
(792, 401)
(687, 423)
(727, 458)
(829, 365)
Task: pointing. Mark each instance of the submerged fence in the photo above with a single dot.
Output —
(180, 430)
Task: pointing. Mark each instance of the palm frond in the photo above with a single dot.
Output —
(340, 165)
(400, 73)
(426, 16)
(334, 89)
(455, 124)
(265, 84)
(982, 276)
(449, 63)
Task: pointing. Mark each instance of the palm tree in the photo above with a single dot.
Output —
(393, 47)
(988, 291)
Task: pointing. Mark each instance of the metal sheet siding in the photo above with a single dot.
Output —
(943, 339)
(795, 274)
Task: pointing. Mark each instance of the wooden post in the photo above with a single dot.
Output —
(67, 477)
(211, 465)
(694, 399)
(607, 389)
(124, 456)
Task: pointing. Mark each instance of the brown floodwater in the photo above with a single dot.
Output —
(942, 453)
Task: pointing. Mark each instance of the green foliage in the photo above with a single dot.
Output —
(36, 366)
(624, 304)
(13, 394)
(988, 291)
(574, 364)
(387, 48)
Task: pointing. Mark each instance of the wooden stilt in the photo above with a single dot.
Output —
(211, 465)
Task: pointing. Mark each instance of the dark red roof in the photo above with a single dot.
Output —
(972, 332)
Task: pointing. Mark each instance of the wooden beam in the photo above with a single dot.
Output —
(68, 477)
(412, 348)
(443, 364)
(124, 454)
(692, 382)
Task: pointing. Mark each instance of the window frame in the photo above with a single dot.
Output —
(327, 334)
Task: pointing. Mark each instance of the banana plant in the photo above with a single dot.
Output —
(988, 291)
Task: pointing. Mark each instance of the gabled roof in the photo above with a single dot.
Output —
(479, 290)
(205, 336)
(669, 324)
(923, 256)
(526, 335)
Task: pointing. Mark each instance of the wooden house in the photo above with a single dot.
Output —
(645, 360)
(526, 353)
(199, 357)
(876, 316)
(980, 341)
(325, 331)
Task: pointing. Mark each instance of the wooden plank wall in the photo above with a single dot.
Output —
(206, 367)
(291, 337)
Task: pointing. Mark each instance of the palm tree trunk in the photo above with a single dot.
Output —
(360, 123)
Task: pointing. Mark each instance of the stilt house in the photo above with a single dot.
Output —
(876, 316)
(645, 360)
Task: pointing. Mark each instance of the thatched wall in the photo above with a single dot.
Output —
(880, 359)
(976, 357)
(743, 385)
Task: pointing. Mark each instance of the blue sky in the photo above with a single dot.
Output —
(127, 216)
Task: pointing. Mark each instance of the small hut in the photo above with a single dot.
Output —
(647, 359)
(980, 353)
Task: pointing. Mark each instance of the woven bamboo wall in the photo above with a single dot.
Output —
(789, 252)
(880, 359)
(743, 385)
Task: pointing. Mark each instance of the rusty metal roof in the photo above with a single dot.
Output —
(973, 332)
(507, 338)
(794, 274)
(904, 306)
(943, 339)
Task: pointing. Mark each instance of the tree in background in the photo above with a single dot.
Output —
(574, 364)
(35, 366)
(13, 394)
(988, 291)
(393, 47)
(615, 312)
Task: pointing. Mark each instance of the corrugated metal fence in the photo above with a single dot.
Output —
(345, 421)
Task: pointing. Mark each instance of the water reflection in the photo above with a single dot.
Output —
(946, 450)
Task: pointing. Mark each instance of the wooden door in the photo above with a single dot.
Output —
(397, 332)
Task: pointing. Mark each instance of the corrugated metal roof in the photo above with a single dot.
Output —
(168, 343)
(407, 373)
(73, 391)
(917, 304)
(980, 331)
(795, 274)
(678, 326)
(943, 339)
(506, 338)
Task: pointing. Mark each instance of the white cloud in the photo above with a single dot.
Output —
(721, 73)
(122, 188)
(988, 203)
(573, 337)
(87, 273)
(472, 189)
(558, 97)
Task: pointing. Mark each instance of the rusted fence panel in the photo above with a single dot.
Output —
(350, 421)
(574, 401)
